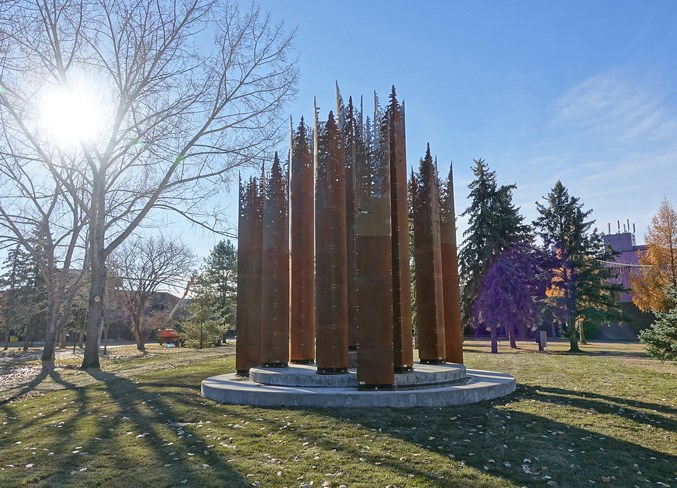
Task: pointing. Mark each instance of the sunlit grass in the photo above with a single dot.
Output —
(575, 419)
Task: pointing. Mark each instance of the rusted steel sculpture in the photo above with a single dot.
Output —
(402, 321)
(248, 346)
(333, 257)
(275, 271)
(373, 248)
(331, 287)
(349, 139)
(428, 261)
(453, 330)
(302, 232)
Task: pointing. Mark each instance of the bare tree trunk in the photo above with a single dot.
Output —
(573, 337)
(81, 336)
(6, 335)
(51, 337)
(138, 336)
(48, 352)
(581, 333)
(105, 339)
(26, 336)
(511, 336)
(494, 339)
(98, 273)
(95, 319)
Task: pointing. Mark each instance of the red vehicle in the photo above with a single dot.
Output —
(169, 336)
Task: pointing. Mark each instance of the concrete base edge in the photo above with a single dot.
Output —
(234, 390)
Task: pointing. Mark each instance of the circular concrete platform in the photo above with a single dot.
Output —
(305, 375)
(299, 386)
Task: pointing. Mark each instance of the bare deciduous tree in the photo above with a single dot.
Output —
(143, 266)
(187, 89)
(44, 221)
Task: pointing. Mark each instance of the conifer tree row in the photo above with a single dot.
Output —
(494, 225)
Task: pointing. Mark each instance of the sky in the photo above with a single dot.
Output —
(578, 91)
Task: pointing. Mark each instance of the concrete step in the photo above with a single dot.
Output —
(235, 390)
(305, 375)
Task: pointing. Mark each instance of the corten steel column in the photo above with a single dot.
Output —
(402, 320)
(428, 260)
(373, 248)
(302, 231)
(331, 291)
(453, 331)
(275, 271)
(248, 345)
(349, 137)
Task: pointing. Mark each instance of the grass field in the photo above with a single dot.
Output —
(607, 417)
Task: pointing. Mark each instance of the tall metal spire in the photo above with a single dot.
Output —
(453, 329)
(373, 282)
(402, 319)
(275, 271)
(331, 287)
(302, 231)
(428, 260)
(248, 346)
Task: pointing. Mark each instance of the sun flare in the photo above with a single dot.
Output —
(71, 115)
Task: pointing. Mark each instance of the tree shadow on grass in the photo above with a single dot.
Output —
(607, 404)
(32, 385)
(26, 388)
(365, 452)
(520, 447)
(587, 352)
(181, 452)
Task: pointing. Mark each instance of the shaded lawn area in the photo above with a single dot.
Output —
(607, 417)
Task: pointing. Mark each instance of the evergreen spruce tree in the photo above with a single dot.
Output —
(23, 295)
(204, 326)
(220, 274)
(581, 290)
(661, 337)
(494, 225)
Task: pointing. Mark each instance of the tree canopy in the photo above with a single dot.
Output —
(220, 274)
(659, 271)
(111, 111)
(494, 225)
(580, 290)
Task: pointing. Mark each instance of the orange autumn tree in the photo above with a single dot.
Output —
(659, 272)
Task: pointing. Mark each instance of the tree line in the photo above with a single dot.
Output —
(514, 276)
(138, 273)
(519, 276)
(557, 271)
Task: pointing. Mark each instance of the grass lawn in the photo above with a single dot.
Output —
(607, 417)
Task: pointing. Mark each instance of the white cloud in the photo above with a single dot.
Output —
(618, 106)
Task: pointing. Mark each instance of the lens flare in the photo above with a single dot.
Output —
(72, 115)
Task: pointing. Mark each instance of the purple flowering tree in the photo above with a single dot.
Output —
(511, 293)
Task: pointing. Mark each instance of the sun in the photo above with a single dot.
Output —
(71, 115)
